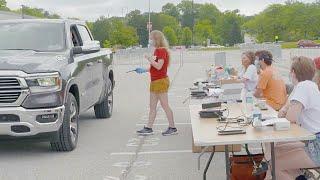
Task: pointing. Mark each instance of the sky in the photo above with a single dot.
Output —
(93, 9)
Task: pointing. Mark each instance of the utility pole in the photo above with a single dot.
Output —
(192, 22)
(22, 13)
(149, 26)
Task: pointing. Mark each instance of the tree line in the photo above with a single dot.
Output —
(291, 21)
(183, 24)
(189, 23)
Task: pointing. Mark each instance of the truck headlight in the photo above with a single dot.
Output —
(44, 83)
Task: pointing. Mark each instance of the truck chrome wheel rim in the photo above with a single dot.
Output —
(110, 99)
(73, 122)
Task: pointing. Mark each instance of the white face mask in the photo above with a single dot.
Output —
(291, 78)
(257, 64)
(151, 42)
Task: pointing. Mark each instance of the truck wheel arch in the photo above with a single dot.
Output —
(111, 77)
(75, 91)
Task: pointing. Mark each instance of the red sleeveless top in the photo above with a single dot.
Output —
(160, 53)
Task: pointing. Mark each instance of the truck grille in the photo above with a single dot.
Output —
(10, 90)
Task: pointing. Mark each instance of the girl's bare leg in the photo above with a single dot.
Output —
(153, 109)
(163, 97)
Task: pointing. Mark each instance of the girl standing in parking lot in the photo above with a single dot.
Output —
(159, 84)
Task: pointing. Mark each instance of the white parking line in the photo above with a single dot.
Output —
(149, 152)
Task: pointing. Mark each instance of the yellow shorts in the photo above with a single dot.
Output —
(160, 86)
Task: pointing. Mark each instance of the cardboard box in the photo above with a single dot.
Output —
(198, 149)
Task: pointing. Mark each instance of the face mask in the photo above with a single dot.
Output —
(151, 43)
(257, 64)
(291, 79)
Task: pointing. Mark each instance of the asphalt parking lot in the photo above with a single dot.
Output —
(109, 149)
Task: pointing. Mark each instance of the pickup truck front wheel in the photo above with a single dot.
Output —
(68, 132)
(104, 109)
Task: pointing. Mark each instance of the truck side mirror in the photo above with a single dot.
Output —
(91, 47)
(76, 50)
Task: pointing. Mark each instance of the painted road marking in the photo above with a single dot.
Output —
(150, 152)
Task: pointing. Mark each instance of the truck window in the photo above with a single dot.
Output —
(84, 33)
(33, 36)
(75, 37)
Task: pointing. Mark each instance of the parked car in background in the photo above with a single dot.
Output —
(307, 43)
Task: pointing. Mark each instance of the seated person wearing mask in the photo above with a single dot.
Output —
(270, 84)
(302, 108)
(317, 74)
(249, 75)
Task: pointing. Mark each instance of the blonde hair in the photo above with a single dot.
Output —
(160, 41)
(303, 67)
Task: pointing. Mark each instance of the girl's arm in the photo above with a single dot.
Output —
(158, 65)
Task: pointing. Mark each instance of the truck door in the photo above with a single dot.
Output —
(84, 71)
(96, 68)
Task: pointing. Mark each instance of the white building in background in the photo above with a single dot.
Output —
(5, 15)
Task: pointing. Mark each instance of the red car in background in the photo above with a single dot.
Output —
(307, 43)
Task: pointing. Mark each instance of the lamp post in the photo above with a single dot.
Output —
(192, 22)
(149, 25)
(22, 13)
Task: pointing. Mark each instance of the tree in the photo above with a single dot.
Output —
(122, 34)
(3, 5)
(171, 10)
(107, 44)
(291, 21)
(38, 12)
(210, 12)
(101, 29)
(189, 12)
(203, 31)
(186, 37)
(170, 35)
(159, 21)
(229, 29)
(139, 22)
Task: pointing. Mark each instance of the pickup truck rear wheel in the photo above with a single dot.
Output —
(68, 132)
(104, 109)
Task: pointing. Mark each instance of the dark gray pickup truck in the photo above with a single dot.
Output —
(50, 71)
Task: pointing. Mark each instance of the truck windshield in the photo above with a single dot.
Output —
(34, 36)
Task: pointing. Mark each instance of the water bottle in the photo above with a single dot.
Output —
(226, 74)
(256, 114)
(249, 103)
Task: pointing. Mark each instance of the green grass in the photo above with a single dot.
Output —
(289, 45)
(216, 49)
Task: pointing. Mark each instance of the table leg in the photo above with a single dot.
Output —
(208, 163)
(228, 175)
(273, 159)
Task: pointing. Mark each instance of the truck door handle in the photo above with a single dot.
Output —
(89, 64)
(99, 61)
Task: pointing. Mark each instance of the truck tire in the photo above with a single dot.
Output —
(104, 109)
(68, 133)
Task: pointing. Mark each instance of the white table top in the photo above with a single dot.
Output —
(205, 130)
